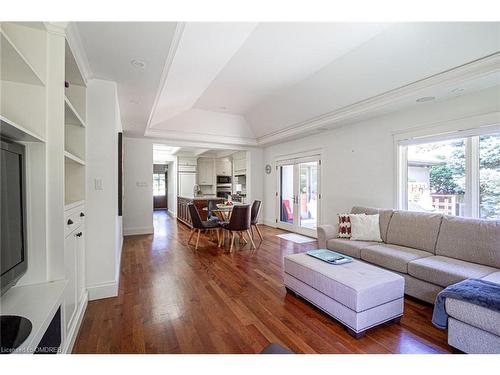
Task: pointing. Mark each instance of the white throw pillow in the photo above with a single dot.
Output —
(365, 228)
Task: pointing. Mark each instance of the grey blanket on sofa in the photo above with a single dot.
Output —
(479, 292)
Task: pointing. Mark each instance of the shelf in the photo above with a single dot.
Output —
(38, 303)
(72, 70)
(15, 132)
(73, 204)
(71, 115)
(73, 158)
(15, 67)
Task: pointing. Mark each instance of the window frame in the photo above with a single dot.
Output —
(159, 179)
(472, 165)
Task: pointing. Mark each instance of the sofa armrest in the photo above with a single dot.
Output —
(325, 233)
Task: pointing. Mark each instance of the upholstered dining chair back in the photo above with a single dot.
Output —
(240, 218)
(255, 211)
(195, 217)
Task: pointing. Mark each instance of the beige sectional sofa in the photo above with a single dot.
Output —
(432, 251)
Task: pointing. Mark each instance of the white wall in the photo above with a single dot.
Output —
(358, 163)
(138, 189)
(103, 226)
(172, 187)
(255, 175)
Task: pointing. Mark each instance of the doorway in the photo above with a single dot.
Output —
(298, 198)
(160, 177)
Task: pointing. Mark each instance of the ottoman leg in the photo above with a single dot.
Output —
(356, 335)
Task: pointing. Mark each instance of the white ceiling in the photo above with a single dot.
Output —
(244, 84)
(277, 55)
(111, 46)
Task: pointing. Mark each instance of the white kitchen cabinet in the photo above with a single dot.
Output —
(206, 171)
(74, 264)
(223, 167)
(240, 166)
(70, 268)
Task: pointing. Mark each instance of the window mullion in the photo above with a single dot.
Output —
(473, 175)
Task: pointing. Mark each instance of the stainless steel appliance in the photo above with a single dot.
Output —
(223, 180)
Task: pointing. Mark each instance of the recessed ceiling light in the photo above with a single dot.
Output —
(424, 99)
(458, 90)
(138, 64)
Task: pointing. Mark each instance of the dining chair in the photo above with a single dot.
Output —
(256, 205)
(239, 223)
(199, 225)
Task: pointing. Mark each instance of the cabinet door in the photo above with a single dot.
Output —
(210, 171)
(202, 172)
(223, 168)
(70, 294)
(80, 264)
(240, 165)
(228, 168)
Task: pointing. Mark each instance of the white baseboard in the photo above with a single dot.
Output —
(269, 222)
(136, 231)
(77, 322)
(171, 213)
(103, 290)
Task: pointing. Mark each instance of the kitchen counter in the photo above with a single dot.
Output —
(200, 202)
(199, 197)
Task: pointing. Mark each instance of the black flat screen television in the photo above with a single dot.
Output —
(13, 250)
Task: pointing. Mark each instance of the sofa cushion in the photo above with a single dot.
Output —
(472, 240)
(418, 230)
(445, 271)
(348, 247)
(477, 316)
(493, 277)
(384, 218)
(392, 257)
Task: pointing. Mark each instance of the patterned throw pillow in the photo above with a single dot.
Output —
(344, 226)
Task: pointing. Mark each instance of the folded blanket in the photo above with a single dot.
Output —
(478, 292)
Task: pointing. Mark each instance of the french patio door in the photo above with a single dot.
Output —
(298, 196)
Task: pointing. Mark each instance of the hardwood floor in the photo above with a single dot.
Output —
(175, 300)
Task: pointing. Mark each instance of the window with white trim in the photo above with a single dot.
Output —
(457, 174)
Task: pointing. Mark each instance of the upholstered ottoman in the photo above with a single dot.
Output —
(357, 294)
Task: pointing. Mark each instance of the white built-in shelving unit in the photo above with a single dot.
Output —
(37, 111)
(74, 130)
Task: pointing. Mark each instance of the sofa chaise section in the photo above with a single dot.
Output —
(444, 271)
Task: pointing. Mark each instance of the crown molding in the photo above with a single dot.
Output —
(76, 45)
(195, 137)
(57, 28)
(179, 30)
(474, 69)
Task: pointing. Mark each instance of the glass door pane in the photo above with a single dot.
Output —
(287, 196)
(308, 195)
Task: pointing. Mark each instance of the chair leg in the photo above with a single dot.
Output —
(218, 237)
(232, 242)
(242, 238)
(191, 236)
(258, 231)
(197, 239)
(251, 240)
(251, 230)
(222, 237)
